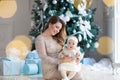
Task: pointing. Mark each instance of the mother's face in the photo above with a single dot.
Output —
(55, 28)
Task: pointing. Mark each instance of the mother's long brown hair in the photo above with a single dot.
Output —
(60, 37)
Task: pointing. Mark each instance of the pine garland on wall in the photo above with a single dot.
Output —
(79, 20)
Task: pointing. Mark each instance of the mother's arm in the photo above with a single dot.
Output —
(41, 49)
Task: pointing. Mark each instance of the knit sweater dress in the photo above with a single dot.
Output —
(50, 60)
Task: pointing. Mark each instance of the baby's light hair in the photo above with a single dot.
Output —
(73, 38)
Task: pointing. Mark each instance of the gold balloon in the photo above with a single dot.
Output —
(19, 46)
(109, 3)
(76, 3)
(105, 45)
(86, 3)
(7, 8)
(25, 39)
(89, 2)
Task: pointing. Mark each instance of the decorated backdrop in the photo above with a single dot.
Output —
(77, 15)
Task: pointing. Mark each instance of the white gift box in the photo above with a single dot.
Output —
(11, 68)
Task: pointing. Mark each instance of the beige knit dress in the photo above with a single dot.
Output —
(50, 59)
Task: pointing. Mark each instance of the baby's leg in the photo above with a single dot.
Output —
(71, 74)
(64, 75)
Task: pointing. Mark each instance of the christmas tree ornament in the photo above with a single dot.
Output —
(85, 27)
(7, 8)
(68, 13)
(96, 44)
(62, 1)
(67, 18)
(88, 45)
(54, 2)
(108, 3)
(90, 41)
(80, 38)
(105, 45)
(71, 1)
(74, 31)
(62, 16)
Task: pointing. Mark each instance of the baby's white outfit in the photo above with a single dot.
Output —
(69, 66)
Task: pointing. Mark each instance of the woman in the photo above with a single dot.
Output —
(48, 46)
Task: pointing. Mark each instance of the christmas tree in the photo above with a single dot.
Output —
(78, 17)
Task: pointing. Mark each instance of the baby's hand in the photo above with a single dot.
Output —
(61, 56)
(67, 59)
(67, 56)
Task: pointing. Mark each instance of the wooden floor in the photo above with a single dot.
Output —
(86, 73)
(95, 76)
(33, 77)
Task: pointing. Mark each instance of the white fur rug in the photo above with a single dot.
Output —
(87, 74)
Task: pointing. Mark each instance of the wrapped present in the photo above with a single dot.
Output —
(12, 68)
(37, 61)
(33, 58)
(32, 55)
(30, 69)
(32, 64)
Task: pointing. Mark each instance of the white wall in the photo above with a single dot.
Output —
(104, 17)
(100, 20)
(22, 18)
(19, 24)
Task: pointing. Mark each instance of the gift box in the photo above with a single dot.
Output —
(32, 55)
(32, 67)
(11, 68)
(32, 59)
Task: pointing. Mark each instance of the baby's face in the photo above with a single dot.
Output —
(71, 44)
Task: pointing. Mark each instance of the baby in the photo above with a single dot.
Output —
(70, 59)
